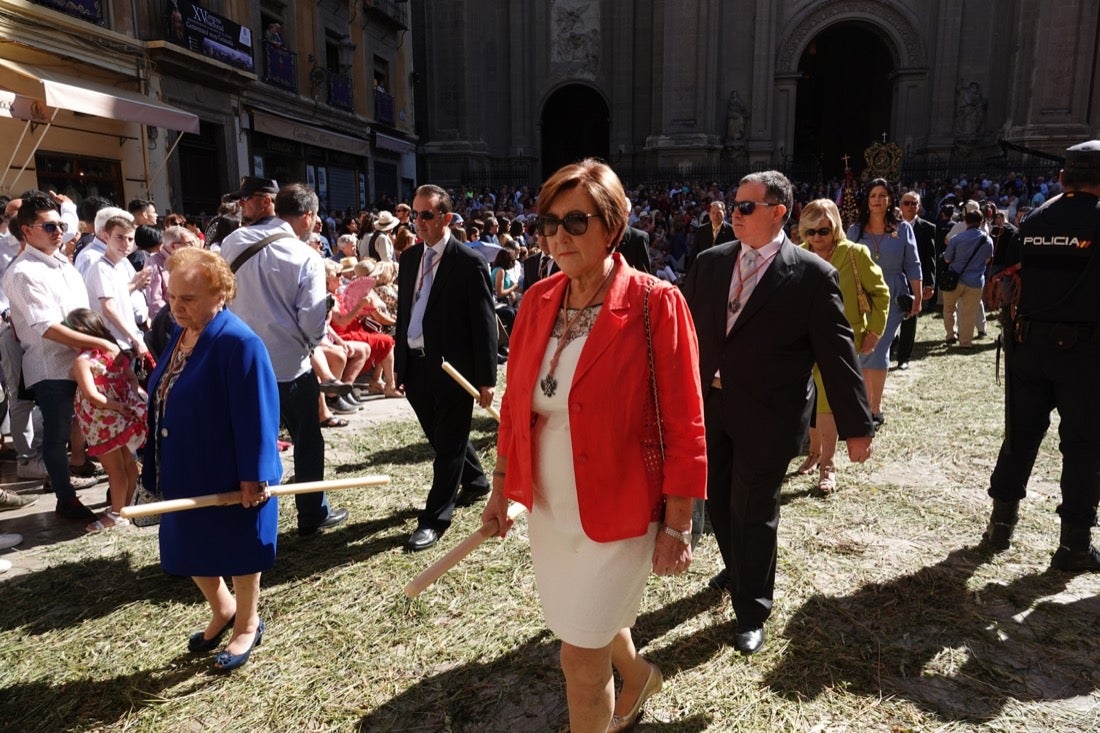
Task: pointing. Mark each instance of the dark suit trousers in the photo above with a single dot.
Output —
(743, 488)
(445, 416)
(298, 410)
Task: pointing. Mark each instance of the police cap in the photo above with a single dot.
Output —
(1084, 157)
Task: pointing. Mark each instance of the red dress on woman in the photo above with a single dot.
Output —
(380, 344)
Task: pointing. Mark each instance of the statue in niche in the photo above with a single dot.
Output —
(970, 109)
(737, 118)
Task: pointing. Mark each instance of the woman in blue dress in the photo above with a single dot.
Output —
(213, 423)
(894, 249)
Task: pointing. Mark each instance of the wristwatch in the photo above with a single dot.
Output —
(684, 537)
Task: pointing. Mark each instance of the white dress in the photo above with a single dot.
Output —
(589, 590)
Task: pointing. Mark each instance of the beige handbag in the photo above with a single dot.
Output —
(862, 298)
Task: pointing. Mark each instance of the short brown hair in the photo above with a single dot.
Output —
(596, 179)
(215, 270)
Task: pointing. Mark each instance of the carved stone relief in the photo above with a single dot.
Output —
(575, 38)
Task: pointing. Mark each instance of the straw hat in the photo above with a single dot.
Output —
(347, 265)
(385, 222)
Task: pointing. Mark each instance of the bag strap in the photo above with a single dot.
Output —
(249, 253)
(653, 368)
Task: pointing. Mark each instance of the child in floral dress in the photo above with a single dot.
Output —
(111, 410)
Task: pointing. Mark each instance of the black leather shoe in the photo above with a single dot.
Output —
(421, 539)
(335, 517)
(468, 496)
(721, 581)
(749, 641)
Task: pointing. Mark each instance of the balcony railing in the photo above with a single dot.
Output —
(383, 107)
(280, 67)
(90, 10)
(390, 10)
(339, 90)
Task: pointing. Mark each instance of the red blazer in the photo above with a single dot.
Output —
(607, 400)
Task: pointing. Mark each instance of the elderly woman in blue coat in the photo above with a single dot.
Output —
(213, 423)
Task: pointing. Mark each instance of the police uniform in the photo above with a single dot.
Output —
(1051, 364)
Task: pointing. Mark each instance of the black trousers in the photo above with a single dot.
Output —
(743, 490)
(298, 409)
(1042, 378)
(907, 337)
(445, 414)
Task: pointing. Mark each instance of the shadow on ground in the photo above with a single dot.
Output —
(957, 652)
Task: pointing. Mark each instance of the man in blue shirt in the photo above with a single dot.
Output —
(967, 254)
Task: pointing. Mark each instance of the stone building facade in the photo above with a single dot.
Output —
(508, 90)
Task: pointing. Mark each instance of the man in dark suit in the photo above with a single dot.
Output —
(925, 232)
(540, 265)
(718, 231)
(635, 246)
(445, 312)
(765, 312)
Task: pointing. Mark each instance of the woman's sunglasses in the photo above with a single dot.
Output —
(575, 222)
(823, 231)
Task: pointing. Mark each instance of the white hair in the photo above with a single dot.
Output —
(110, 212)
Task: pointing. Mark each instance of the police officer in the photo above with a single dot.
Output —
(1051, 363)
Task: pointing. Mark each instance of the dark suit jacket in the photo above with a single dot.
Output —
(704, 239)
(635, 249)
(531, 270)
(926, 249)
(794, 318)
(459, 322)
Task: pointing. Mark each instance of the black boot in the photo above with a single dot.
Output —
(1075, 551)
(1002, 522)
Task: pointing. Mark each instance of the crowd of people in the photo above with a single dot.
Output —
(770, 317)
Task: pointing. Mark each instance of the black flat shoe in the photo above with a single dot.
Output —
(226, 662)
(334, 518)
(422, 539)
(198, 643)
(749, 641)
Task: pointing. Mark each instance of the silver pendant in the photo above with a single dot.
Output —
(549, 385)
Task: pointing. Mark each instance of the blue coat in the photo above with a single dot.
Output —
(219, 427)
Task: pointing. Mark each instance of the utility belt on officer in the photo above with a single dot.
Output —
(1058, 335)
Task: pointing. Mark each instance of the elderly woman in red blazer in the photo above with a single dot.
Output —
(579, 446)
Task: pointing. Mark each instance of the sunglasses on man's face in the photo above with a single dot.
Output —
(575, 222)
(823, 231)
(746, 208)
(52, 227)
(426, 215)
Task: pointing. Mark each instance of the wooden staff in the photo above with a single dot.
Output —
(234, 497)
(455, 375)
(438, 568)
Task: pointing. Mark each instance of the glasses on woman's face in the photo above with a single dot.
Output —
(746, 208)
(822, 232)
(575, 222)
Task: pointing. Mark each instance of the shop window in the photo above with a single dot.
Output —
(79, 177)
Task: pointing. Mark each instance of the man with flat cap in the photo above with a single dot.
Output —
(1051, 357)
(281, 296)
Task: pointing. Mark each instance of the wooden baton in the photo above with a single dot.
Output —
(455, 555)
(234, 497)
(457, 376)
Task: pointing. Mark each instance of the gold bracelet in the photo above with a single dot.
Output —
(684, 537)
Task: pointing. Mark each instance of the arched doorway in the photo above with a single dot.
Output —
(575, 124)
(845, 96)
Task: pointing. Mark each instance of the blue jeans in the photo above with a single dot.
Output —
(54, 398)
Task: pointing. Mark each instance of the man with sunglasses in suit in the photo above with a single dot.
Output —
(765, 312)
(445, 312)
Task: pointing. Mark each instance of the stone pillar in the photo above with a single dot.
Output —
(762, 143)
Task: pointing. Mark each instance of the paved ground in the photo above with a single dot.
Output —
(40, 526)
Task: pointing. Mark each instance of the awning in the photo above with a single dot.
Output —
(61, 91)
(397, 145)
(292, 128)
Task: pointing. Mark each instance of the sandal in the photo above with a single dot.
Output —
(334, 422)
(827, 482)
(115, 520)
(809, 464)
(376, 388)
(393, 392)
